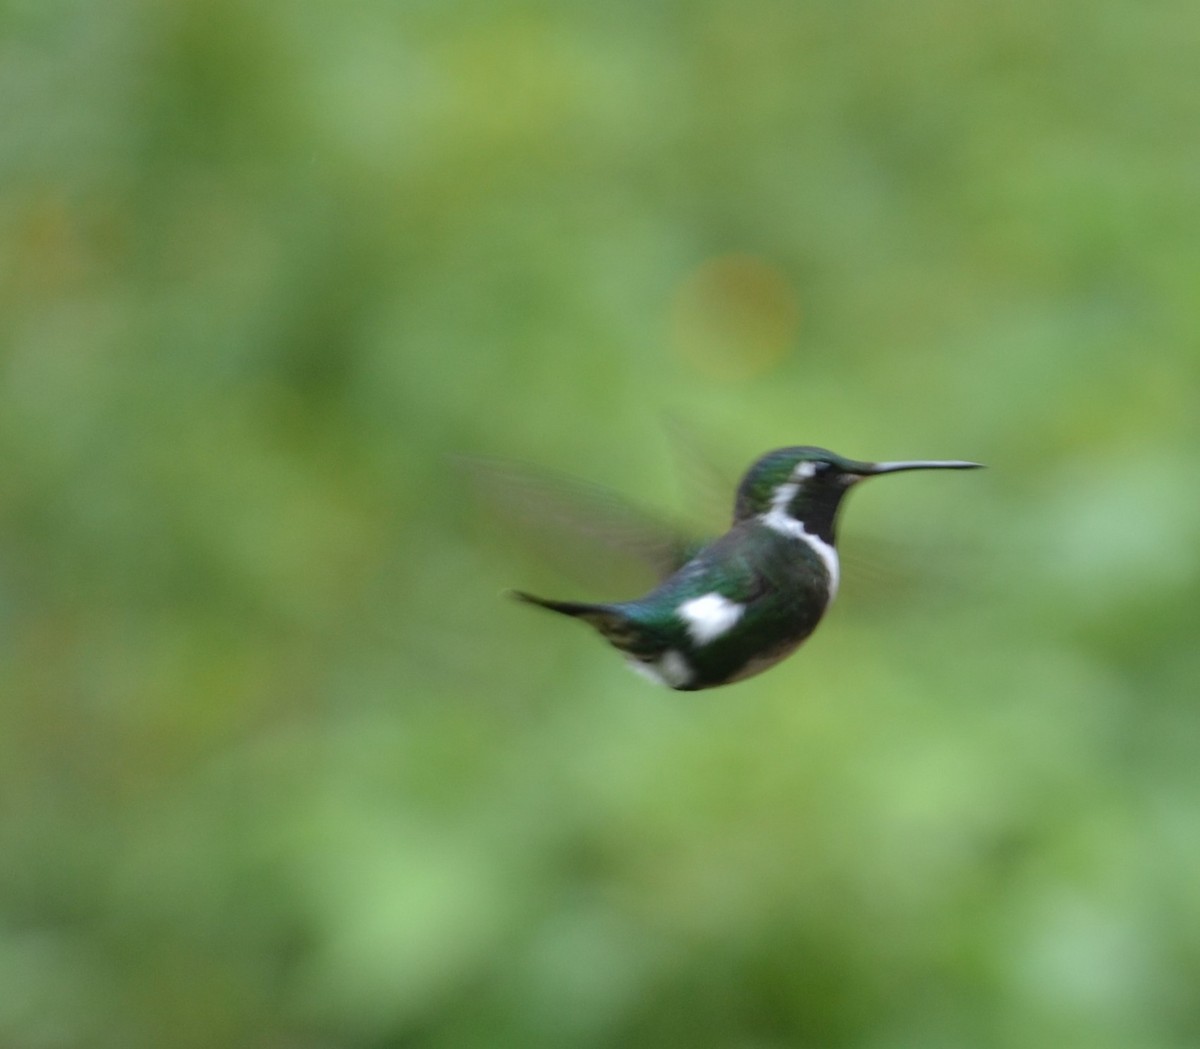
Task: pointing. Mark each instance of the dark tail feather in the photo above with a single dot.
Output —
(567, 608)
(611, 623)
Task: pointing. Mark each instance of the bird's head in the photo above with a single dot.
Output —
(803, 486)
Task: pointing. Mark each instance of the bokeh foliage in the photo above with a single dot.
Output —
(280, 768)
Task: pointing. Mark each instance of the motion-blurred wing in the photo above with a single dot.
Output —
(709, 483)
(890, 570)
(565, 516)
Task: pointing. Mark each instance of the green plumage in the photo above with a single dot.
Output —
(779, 581)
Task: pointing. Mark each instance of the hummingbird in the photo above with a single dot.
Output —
(729, 609)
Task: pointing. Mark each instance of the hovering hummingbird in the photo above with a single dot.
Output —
(730, 609)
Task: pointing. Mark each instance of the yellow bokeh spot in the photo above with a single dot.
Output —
(734, 317)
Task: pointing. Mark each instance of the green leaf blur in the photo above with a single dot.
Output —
(281, 767)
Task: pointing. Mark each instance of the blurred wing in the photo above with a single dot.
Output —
(891, 570)
(708, 482)
(565, 516)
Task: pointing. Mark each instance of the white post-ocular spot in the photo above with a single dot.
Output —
(780, 520)
(709, 616)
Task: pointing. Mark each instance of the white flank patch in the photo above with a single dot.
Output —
(778, 519)
(709, 617)
(674, 668)
(647, 670)
(671, 670)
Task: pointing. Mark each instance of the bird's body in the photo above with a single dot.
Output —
(749, 598)
(739, 606)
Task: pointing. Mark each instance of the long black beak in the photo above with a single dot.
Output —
(873, 469)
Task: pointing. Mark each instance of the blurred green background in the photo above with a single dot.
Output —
(280, 766)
